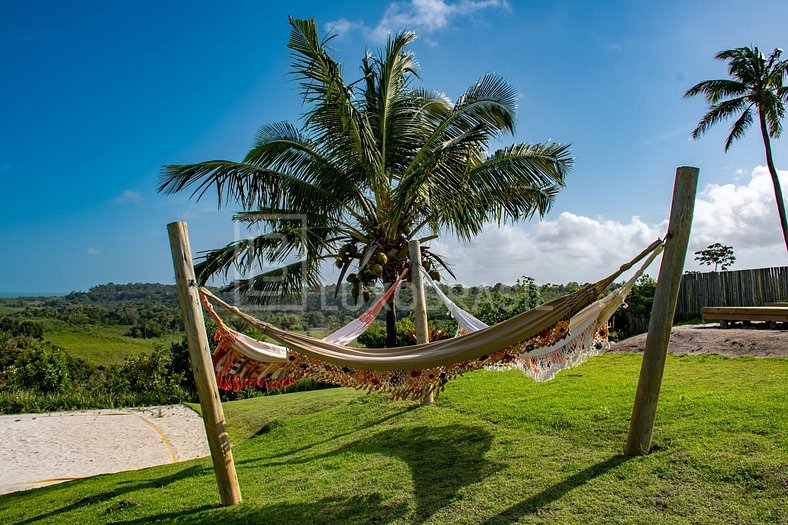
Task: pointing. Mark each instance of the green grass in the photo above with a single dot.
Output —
(494, 448)
(99, 344)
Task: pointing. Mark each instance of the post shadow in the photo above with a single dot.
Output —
(556, 492)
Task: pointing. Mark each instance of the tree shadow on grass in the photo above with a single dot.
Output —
(121, 488)
(368, 508)
(538, 501)
(272, 424)
(442, 460)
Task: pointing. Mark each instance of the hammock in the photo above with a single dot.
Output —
(239, 360)
(587, 331)
(415, 371)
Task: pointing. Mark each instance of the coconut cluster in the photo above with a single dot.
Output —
(362, 282)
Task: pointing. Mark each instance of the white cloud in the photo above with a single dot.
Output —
(578, 248)
(422, 15)
(344, 26)
(93, 251)
(570, 248)
(128, 196)
(743, 216)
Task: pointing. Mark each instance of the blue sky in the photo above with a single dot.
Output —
(97, 96)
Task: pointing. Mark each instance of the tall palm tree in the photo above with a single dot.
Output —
(377, 162)
(756, 85)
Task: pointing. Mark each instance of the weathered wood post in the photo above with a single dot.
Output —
(644, 410)
(202, 367)
(419, 300)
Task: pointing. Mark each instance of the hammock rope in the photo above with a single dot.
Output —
(416, 370)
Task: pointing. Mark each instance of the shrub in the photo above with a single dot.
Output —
(375, 336)
(21, 328)
(148, 376)
(500, 307)
(42, 368)
(632, 317)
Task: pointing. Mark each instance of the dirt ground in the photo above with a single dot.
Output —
(756, 341)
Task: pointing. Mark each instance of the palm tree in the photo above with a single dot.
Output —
(756, 85)
(376, 163)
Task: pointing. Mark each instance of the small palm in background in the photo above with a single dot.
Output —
(754, 91)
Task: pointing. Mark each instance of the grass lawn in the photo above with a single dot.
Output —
(494, 448)
(99, 344)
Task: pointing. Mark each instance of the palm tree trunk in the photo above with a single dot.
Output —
(778, 192)
(391, 322)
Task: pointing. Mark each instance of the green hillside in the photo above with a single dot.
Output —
(495, 448)
(101, 344)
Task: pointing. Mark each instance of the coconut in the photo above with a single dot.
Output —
(435, 275)
(376, 270)
(381, 257)
(352, 278)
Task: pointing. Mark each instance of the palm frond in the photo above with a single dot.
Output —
(715, 90)
(773, 110)
(292, 237)
(332, 118)
(286, 282)
(739, 127)
(481, 113)
(718, 113)
(513, 184)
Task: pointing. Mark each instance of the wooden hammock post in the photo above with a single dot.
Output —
(202, 367)
(419, 301)
(644, 410)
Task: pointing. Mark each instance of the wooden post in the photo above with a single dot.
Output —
(645, 408)
(202, 367)
(419, 301)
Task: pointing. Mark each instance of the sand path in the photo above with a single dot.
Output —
(42, 449)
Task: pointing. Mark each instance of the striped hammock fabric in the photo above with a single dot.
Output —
(541, 341)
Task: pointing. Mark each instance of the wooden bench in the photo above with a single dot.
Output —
(725, 314)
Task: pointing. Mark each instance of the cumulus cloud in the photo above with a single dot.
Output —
(421, 15)
(744, 216)
(570, 248)
(128, 196)
(573, 247)
(344, 26)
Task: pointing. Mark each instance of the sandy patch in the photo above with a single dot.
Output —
(42, 449)
(711, 339)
